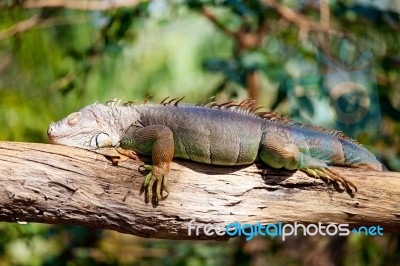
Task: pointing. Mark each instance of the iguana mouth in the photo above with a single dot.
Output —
(52, 133)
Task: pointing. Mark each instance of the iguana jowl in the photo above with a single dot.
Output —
(221, 134)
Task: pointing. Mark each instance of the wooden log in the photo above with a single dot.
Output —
(64, 185)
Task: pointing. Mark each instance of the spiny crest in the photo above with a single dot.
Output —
(131, 103)
(247, 106)
(117, 102)
(173, 102)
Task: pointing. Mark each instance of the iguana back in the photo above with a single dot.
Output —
(206, 135)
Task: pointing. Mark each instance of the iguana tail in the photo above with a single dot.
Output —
(359, 157)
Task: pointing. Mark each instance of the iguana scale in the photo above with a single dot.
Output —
(231, 133)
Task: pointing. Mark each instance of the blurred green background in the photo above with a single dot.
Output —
(58, 56)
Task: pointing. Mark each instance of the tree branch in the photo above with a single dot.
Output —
(211, 17)
(38, 22)
(302, 21)
(20, 27)
(81, 5)
(324, 13)
(63, 185)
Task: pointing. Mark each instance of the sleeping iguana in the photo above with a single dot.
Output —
(221, 134)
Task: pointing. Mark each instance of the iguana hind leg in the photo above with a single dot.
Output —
(278, 152)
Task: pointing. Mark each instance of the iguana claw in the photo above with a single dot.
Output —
(157, 175)
(330, 175)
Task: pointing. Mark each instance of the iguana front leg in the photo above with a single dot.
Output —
(116, 154)
(126, 153)
(278, 152)
(158, 141)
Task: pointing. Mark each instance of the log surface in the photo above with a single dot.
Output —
(64, 185)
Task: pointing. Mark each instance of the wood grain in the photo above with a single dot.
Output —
(63, 185)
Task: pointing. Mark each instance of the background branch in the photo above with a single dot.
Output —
(81, 5)
(63, 185)
(38, 22)
(211, 17)
(302, 21)
(324, 13)
(20, 27)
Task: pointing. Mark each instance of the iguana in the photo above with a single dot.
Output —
(232, 133)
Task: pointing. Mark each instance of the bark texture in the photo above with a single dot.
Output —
(63, 185)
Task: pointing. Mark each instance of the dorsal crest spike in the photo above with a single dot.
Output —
(170, 101)
(245, 106)
(118, 102)
(163, 101)
(231, 105)
(211, 104)
(174, 101)
(255, 109)
(227, 103)
(177, 102)
(129, 103)
(146, 99)
(112, 102)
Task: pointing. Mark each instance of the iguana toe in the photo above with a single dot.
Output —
(330, 175)
(158, 187)
(165, 183)
(150, 188)
(128, 153)
(311, 172)
(147, 179)
(346, 183)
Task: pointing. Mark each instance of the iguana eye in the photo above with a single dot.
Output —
(73, 119)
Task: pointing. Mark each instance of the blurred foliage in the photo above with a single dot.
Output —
(53, 61)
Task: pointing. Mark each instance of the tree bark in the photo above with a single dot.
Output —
(63, 185)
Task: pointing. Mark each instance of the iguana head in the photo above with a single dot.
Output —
(95, 126)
